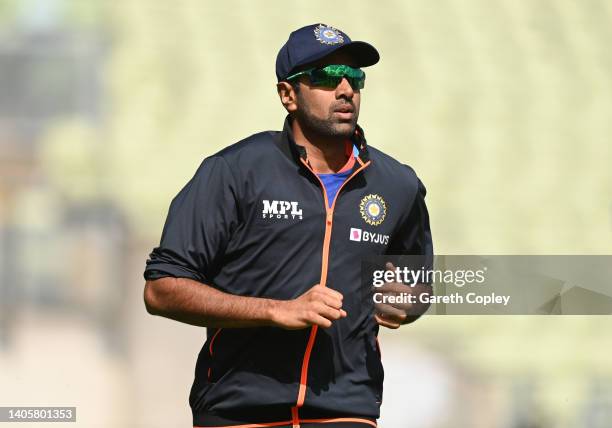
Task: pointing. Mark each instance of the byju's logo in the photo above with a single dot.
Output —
(359, 235)
(281, 210)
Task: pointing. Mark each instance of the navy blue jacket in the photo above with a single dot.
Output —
(254, 221)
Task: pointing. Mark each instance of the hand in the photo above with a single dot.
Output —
(393, 315)
(318, 306)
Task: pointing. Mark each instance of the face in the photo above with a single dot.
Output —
(328, 112)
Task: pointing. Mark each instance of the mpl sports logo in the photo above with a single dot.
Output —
(281, 210)
(359, 235)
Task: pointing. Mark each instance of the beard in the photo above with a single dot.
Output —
(330, 126)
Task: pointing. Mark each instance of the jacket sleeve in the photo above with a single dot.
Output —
(414, 235)
(199, 224)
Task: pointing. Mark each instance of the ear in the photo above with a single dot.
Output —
(287, 95)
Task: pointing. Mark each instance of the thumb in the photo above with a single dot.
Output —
(389, 266)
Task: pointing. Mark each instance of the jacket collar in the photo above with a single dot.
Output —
(294, 151)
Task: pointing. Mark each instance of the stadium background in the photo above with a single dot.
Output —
(504, 108)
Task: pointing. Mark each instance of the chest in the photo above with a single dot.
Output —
(294, 210)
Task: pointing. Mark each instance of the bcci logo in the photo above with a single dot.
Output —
(328, 35)
(373, 209)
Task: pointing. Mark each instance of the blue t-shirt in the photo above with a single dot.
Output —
(333, 181)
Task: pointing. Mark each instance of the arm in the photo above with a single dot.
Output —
(195, 303)
(413, 239)
(200, 223)
(398, 314)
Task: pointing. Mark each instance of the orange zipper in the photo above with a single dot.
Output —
(329, 219)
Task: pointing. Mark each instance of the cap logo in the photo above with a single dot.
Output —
(328, 35)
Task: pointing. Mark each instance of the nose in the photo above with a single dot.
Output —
(345, 89)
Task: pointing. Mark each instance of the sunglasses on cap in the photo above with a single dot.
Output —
(330, 76)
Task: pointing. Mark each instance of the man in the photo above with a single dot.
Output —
(264, 246)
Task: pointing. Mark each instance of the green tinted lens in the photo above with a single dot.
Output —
(331, 75)
(320, 78)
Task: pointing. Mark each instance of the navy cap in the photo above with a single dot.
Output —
(313, 42)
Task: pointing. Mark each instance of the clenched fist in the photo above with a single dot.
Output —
(393, 315)
(318, 306)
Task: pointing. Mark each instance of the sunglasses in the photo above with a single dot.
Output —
(330, 76)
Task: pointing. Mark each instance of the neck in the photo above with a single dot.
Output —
(325, 154)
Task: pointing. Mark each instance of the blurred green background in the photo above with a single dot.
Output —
(504, 109)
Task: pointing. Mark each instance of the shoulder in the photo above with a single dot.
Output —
(392, 170)
(256, 145)
(243, 154)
